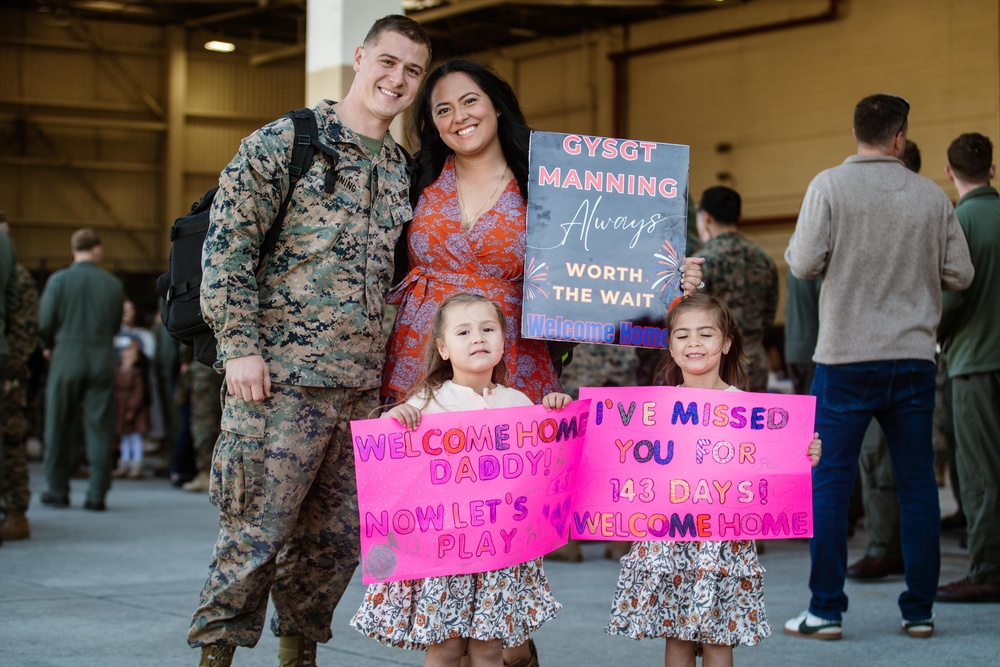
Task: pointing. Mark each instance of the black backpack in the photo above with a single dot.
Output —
(180, 287)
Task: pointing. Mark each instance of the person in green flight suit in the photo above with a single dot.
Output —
(79, 314)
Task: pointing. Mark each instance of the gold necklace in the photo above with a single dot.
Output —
(471, 220)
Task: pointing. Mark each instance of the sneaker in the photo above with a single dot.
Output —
(813, 627)
(919, 629)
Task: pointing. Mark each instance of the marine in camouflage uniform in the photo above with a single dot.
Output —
(283, 473)
(8, 283)
(738, 271)
(204, 387)
(22, 338)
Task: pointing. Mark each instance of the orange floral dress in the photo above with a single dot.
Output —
(445, 260)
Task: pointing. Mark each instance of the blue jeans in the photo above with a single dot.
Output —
(900, 395)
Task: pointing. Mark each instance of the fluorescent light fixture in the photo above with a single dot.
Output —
(221, 47)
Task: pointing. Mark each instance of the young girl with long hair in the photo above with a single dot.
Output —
(702, 597)
(476, 614)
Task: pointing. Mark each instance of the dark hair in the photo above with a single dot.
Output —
(142, 366)
(404, 25)
(512, 129)
(911, 157)
(879, 118)
(731, 368)
(722, 203)
(84, 240)
(439, 370)
(970, 157)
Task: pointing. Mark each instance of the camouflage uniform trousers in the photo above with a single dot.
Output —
(283, 481)
(16, 494)
(206, 412)
(756, 368)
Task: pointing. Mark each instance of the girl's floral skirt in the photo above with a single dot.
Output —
(508, 604)
(706, 592)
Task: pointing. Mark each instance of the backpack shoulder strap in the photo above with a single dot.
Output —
(306, 138)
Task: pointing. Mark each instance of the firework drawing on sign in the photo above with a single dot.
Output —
(535, 279)
(669, 277)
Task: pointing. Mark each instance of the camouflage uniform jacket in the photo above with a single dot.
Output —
(22, 324)
(314, 308)
(738, 271)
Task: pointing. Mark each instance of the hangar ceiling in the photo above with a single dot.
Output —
(456, 27)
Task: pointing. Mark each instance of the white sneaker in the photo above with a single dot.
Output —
(919, 629)
(813, 627)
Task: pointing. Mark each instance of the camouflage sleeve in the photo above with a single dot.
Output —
(8, 284)
(250, 193)
(771, 300)
(709, 272)
(22, 321)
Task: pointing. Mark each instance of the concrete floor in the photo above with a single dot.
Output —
(118, 588)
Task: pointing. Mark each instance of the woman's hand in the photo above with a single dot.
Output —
(692, 280)
(406, 415)
(556, 401)
(815, 449)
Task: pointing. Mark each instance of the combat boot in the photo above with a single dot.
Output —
(200, 484)
(296, 651)
(217, 656)
(15, 527)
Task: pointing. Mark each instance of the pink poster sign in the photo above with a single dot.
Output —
(670, 463)
(466, 491)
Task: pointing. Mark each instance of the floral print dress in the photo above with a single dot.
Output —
(509, 604)
(705, 592)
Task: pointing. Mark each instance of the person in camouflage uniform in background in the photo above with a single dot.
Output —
(738, 271)
(204, 387)
(302, 347)
(22, 339)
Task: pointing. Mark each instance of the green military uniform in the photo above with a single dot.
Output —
(22, 338)
(970, 330)
(283, 472)
(738, 271)
(79, 314)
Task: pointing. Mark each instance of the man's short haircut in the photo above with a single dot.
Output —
(721, 203)
(84, 239)
(404, 25)
(879, 118)
(970, 157)
(911, 157)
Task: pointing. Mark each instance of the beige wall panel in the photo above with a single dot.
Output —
(131, 148)
(553, 79)
(221, 83)
(60, 76)
(210, 145)
(783, 100)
